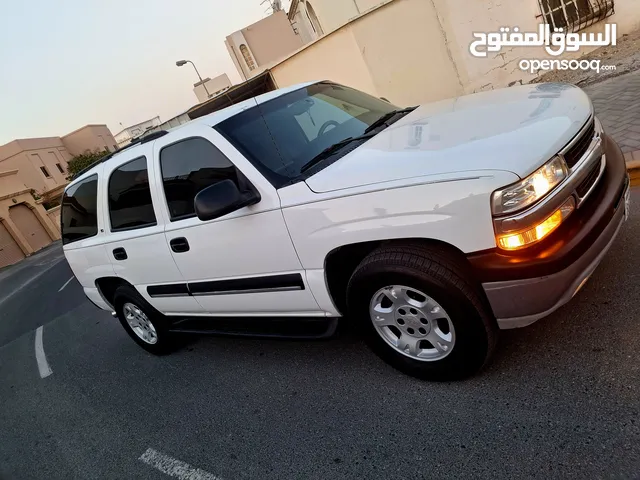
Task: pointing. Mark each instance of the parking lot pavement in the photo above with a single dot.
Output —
(560, 399)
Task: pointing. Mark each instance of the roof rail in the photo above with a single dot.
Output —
(140, 140)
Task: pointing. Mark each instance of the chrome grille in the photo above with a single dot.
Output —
(577, 151)
(589, 181)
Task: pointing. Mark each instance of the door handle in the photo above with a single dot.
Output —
(120, 254)
(179, 245)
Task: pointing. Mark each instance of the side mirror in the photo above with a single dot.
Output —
(222, 198)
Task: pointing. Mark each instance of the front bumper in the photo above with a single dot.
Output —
(523, 287)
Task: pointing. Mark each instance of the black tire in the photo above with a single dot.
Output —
(439, 273)
(166, 342)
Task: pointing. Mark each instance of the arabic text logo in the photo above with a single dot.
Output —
(554, 43)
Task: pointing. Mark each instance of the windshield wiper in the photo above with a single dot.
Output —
(331, 149)
(388, 116)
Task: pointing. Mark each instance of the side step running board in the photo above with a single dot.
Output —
(261, 327)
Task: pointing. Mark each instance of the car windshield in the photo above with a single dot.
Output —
(282, 136)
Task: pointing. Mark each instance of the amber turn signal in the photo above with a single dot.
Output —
(515, 241)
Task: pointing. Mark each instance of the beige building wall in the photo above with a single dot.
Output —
(32, 156)
(264, 42)
(333, 14)
(395, 65)
(460, 18)
(89, 138)
(410, 62)
(320, 61)
(10, 183)
(415, 51)
(54, 216)
(271, 38)
(17, 196)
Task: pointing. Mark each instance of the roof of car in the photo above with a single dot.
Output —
(210, 120)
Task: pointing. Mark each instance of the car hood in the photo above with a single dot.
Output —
(515, 129)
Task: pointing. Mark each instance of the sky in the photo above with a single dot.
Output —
(65, 64)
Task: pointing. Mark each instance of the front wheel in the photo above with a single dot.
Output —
(420, 312)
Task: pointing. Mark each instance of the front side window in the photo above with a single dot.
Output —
(282, 135)
(130, 204)
(188, 167)
(79, 216)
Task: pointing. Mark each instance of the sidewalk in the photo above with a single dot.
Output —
(617, 104)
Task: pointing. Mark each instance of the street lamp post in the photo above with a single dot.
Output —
(180, 63)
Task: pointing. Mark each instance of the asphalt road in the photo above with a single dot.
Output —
(560, 399)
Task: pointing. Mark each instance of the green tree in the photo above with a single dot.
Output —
(82, 161)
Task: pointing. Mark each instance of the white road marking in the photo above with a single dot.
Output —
(28, 282)
(66, 283)
(174, 468)
(43, 366)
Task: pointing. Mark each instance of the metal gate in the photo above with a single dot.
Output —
(30, 227)
(10, 252)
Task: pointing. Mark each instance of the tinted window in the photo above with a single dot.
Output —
(79, 212)
(282, 135)
(130, 203)
(188, 167)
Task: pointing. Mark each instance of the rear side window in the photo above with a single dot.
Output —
(130, 204)
(79, 211)
(188, 167)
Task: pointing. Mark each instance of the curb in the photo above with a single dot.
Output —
(633, 166)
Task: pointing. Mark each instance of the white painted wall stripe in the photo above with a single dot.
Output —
(43, 366)
(66, 283)
(174, 468)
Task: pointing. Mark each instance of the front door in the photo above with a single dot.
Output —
(243, 263)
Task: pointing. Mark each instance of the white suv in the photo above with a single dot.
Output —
(433, 227)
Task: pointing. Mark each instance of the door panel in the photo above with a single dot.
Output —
(10, 252)
(251, 246)
(242, 249)
(30, 227)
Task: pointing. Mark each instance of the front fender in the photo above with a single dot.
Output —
(456, 212)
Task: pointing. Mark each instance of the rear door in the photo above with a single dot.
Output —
(243, 263)
(136, 244)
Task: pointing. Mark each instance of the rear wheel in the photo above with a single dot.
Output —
(421, 313)
(144, 324)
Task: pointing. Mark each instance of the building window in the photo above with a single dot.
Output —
(574, 15)
(60, 168)
(45, 172)
(247, 57)
(313, 19)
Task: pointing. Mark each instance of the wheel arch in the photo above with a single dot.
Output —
(107, 287)
(341, 262)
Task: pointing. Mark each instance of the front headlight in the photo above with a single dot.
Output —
(528, 191)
